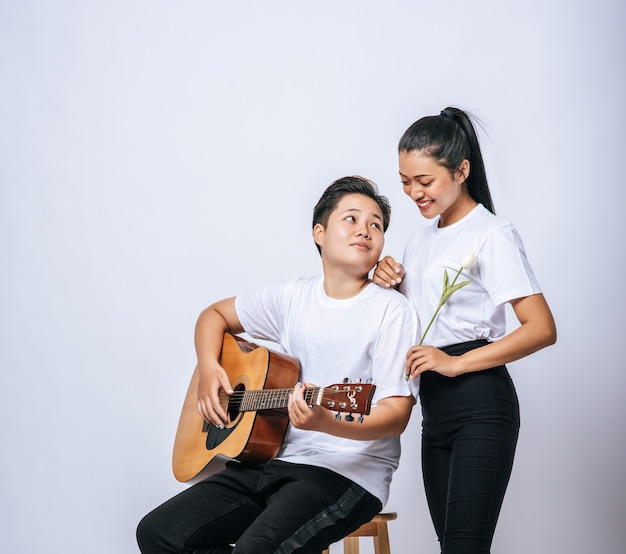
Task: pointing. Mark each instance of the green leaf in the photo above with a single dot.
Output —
(459, 286)
(453, 289)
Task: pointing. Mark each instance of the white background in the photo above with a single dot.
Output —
(157, 156)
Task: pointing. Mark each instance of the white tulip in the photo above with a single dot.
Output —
(468, 261)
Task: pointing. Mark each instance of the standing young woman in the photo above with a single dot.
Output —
(469, 405)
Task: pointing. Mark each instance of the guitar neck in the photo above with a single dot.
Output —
(272, 399)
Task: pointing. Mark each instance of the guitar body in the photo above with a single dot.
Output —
(248, 436)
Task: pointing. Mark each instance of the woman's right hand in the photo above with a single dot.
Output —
(388, 273)
(211, 381)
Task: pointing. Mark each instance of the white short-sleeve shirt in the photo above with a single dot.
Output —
(364, 337)
(500, 274)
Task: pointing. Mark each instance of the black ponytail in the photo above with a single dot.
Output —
(450, 138)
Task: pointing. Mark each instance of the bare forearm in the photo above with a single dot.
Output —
(386, 419)
(514, 346)
(209, 335)
(537, 330)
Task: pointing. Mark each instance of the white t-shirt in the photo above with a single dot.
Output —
(363, 337)
(501, 274)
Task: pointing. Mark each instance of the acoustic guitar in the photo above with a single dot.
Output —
(262, 381)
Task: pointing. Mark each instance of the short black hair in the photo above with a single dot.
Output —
(349, 185)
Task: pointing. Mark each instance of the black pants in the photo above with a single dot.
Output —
(469, 434)
(272, 508)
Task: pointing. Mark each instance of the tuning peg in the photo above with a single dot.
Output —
(346, 380)
(361, 418)
(349, 418)
(338, 416)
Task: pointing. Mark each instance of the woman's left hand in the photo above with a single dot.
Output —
(301, 415)
(428, 358)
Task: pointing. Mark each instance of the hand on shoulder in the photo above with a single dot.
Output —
(388, 273)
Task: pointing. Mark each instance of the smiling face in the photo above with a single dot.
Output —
(353, 237)
(434, 189)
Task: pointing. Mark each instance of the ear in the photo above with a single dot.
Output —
(318, 234)
(464, 171)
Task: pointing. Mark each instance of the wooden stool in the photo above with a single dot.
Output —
(376, 528)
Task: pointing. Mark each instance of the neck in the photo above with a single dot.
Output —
(464, 206)
(340, 287)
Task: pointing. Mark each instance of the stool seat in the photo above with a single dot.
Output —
(375, 528)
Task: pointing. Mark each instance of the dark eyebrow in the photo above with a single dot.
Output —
(415, 176)
(361, 211)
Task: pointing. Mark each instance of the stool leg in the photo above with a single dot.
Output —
(381, 540)
(351, 545)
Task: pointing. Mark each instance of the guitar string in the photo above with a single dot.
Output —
(281, 392)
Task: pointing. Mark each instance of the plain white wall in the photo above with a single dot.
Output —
(157, 156)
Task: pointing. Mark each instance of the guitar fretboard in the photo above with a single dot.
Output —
(272, 399)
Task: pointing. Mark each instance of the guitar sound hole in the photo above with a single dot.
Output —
(234, 403)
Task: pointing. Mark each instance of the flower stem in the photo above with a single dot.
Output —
(441, 303)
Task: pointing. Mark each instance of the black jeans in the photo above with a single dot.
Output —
(469, 433)
(272, 508)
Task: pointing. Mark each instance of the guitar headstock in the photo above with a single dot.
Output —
(350, 398)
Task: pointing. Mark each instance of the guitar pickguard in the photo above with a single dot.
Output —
(216, 436)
